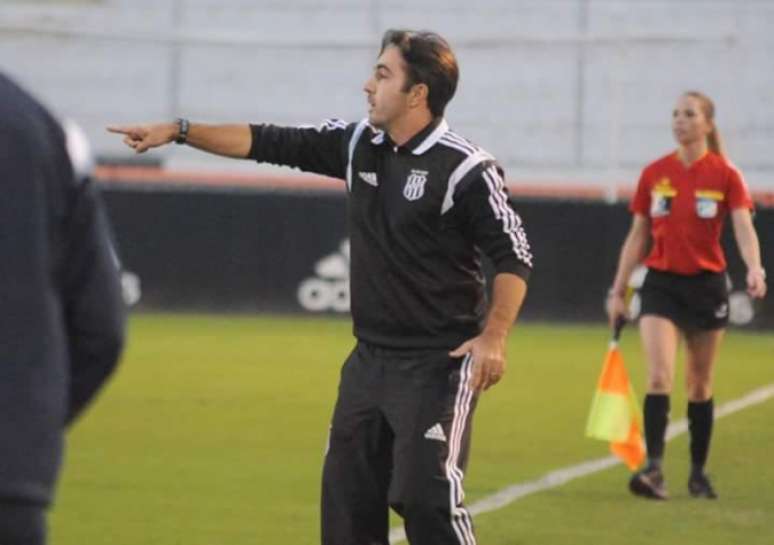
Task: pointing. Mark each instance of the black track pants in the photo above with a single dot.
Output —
(22, 523)
(399, 438)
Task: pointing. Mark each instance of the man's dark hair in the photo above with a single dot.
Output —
(429, 60)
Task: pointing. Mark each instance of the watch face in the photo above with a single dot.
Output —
(182, 130)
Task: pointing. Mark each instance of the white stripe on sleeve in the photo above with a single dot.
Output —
(512, 225)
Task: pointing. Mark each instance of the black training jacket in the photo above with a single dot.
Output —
(61, 313)
(420, 216)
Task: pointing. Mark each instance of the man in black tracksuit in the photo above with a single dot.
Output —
(424, 205)
(61, 314)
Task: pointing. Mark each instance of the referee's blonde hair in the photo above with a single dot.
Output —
(714, 141)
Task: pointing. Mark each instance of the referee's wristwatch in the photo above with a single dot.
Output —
(182, 130)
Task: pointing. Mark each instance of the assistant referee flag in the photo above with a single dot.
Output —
(615, 415)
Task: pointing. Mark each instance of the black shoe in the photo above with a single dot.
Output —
(649, 483)
(700, 486)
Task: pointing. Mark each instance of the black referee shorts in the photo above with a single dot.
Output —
(399, 438)
(694, 303)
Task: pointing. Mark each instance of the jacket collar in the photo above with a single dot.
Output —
(420, 142)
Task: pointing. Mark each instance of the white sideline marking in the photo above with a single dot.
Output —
(558, 477)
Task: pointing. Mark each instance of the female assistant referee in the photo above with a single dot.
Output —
(681, 202)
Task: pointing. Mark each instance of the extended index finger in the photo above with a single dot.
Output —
(120, 129)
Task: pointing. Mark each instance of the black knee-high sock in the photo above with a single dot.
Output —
(700, 418)
(656, 412)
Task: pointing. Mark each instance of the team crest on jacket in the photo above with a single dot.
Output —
(415, 185)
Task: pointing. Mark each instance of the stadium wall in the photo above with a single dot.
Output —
(555, 89)
(264, 249)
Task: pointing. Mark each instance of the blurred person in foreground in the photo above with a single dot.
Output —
(61, 313)
(423, 205)
(679, 208)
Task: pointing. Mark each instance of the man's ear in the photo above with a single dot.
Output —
(418, 94)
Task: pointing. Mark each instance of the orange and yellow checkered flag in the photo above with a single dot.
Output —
(615, 414)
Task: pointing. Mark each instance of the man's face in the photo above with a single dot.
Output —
(384, 89)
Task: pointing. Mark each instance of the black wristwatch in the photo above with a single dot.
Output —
(182, 130)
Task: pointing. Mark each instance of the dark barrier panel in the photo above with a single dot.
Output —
(250, 250)
(225, 250)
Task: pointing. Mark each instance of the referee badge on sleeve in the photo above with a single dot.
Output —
(415, 185)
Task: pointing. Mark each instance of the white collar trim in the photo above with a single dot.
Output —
(433, 138)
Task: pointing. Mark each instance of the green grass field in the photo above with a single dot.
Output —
(212, 433)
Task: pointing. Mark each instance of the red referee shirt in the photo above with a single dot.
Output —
(686, 207)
